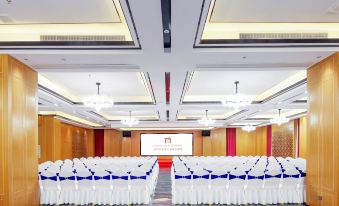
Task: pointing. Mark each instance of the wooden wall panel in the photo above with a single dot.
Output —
(323, 133)
(302, 137)
(218, 142)
(246, 143)
(60, 141)
(19, 133)
(283, 140)
(49, 139)
(251, 143)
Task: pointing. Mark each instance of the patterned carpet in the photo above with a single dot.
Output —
(162, 196)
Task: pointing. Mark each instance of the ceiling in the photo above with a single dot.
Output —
(134, 76)
(275, 11)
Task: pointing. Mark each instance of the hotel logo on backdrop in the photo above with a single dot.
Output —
(168, 145)
(168, 140)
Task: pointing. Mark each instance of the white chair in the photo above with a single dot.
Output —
(201, 186)
(182, 191)
(237, 182)
(272, 187)
(67, 187)
(103, 187)
(49, 189)
(218, 186)
(291, 192)
(121, 188)
(254, 190)
(140, 190)
(84, 187)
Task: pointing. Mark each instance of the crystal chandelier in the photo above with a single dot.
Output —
(248, 128)
(279, 120)
(98, 101)
(237, 100)
(130, 121)
(206, 120)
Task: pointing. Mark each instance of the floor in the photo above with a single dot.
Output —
(162, 196)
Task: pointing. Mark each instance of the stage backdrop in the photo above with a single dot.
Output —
(166, 144)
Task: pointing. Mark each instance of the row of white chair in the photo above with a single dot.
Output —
(85, 181)
(236, 180)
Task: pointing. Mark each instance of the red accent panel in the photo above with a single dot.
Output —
(99, 142)
(269, 140)
(231, 141)
(165, 163)
(298, 122)
(168, 87)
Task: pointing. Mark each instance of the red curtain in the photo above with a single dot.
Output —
(99, 142)
(231, 138)
(269, 140)
(298, 122)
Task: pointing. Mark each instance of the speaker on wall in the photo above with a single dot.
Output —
(206, 133)
(126, 133)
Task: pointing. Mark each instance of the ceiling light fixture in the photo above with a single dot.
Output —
(130, 121)
(248, 128)
(237, 100)
(280, 119)
(206, 120)
(98, 101)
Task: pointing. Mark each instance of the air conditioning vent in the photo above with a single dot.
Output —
(283, 35)
(82, 38)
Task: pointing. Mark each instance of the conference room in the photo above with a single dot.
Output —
(195, 102)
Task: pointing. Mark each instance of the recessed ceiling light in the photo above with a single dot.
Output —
(55, 104)
(25, 59)
(279, 102)
(63, 59)
(318, 57)
(166, 31)
(244, 57)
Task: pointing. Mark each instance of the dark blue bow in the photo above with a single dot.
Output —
(302, 174)
(138, 177)
(199, 177)
(231, 177)
(84, 178)
(209, 171)
(119, 177)
(67, 178)
(291, 176)
(224, 176)
(273, 176)
(182, 177)
(107, 177)
(53, 178)
(250, 177)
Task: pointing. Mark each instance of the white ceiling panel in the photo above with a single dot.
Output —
(60, 11)
(275, 11)
(120, 86)
(275, 113)
(119, 115)
(198, 114)
(214, 86)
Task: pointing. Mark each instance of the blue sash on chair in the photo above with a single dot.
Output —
(250, 177)
(138, 177)
(231, 177)
(291, 176)
(84, 178)
(182, 177)
(119, 177)
(107, 177)
(53, 178)
(201, 177)
(224, 176)
(273, 176)
(67, 178)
